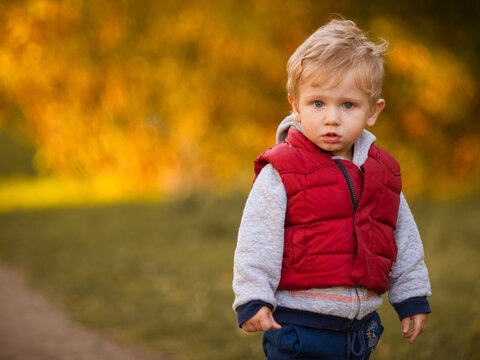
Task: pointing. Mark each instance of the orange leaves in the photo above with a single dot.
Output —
(171, 96)
(430, 103)
(416, 124)
(438, 77)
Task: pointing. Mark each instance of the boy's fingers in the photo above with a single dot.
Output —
(247, 327)
(419, 325)
(264, 323)
(406, 327)
(416, 332)
(274, 325)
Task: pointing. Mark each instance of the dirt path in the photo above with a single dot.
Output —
(32, 329)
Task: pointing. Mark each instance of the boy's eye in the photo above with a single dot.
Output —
(348, 105)
(318, 103)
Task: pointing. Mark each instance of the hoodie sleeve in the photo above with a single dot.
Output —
(409, 281)
(259, 253)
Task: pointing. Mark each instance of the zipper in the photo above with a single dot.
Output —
(349, 183)
(354, 198)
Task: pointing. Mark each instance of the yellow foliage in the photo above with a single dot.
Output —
(159, 95)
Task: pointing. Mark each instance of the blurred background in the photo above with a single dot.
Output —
(127, 135)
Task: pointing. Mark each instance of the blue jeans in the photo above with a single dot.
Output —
(298, 342)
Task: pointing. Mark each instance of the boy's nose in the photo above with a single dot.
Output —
(332, 117)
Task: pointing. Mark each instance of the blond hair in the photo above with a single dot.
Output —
(331, 51)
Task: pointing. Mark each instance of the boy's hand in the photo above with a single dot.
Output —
(262, 321)
(419, 324)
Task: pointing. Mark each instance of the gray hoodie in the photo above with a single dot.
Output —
(259, 253)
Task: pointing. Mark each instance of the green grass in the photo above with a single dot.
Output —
(159, 275)
(451, 235)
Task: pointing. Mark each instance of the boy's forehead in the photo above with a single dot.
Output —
(323, 75)
(324, 78)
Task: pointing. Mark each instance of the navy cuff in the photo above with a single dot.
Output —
(412, 306)
(248, 310)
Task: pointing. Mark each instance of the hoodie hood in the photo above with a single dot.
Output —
(360, 148)
(285, 125)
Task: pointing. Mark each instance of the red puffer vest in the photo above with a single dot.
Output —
(327, 242)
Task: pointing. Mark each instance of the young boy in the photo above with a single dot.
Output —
(326, 229)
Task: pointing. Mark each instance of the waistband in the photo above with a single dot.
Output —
(289, 316)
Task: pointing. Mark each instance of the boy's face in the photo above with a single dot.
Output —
(334, 117)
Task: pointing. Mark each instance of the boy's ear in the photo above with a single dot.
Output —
(376, 109)
(296, 111)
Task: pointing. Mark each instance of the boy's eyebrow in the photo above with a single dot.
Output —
(317, 96)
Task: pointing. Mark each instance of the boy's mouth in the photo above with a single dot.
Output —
(331, 137)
